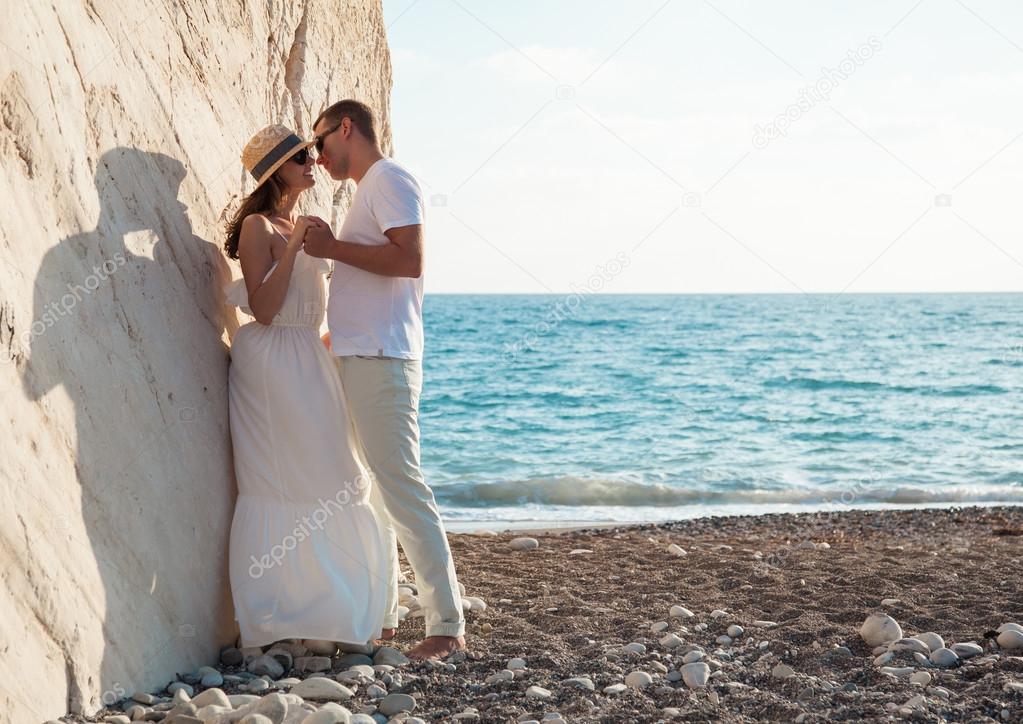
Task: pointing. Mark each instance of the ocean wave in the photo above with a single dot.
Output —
(576, 491)
(814, 383)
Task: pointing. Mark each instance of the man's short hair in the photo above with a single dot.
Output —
(359, 113)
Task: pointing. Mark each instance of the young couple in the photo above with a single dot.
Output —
(325, 431)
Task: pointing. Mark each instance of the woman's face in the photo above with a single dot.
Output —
(297, 176)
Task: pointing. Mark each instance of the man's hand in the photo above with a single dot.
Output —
(319, 241)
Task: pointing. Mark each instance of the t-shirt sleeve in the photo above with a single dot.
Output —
(398, 200)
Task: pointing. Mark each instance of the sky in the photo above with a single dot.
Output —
(726, 146)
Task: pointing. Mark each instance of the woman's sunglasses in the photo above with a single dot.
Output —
(301, 158)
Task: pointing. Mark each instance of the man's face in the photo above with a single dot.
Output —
(334, 156)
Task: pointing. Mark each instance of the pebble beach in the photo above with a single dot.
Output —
(839, 615)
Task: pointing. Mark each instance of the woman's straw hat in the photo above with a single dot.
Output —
(268, 149)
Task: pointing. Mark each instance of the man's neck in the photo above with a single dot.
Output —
(360, 166)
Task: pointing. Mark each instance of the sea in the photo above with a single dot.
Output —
(552, 410)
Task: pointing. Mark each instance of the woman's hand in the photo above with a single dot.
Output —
(297, 238)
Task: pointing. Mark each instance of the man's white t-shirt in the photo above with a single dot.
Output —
(367, 313)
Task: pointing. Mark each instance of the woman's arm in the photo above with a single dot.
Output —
(254, 245)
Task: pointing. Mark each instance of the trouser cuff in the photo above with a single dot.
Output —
(446, 629)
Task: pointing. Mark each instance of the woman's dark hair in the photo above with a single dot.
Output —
(263, 200)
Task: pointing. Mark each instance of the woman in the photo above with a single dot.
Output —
(307, 555)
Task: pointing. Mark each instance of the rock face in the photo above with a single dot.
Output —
(121, 127)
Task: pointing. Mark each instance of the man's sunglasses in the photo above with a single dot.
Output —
(301, 157)
(319, 139)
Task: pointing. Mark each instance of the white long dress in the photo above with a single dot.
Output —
(307, 555)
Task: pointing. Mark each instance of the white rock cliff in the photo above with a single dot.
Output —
(121, 125)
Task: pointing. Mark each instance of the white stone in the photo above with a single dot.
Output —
(933, 640)
(920, 677)
(670, 641)
(880, 629)
(538, 692)
(735, 631)
(944, 658)
(889, 601)
(1010, 638)
(615, 689)
(515, 663)
(638, 679)
(633, 648)
(899, 671)
(967, 649)
(696, 674)
(321, 688)
(659, 626)
(782, 671)
(394, 703)
(523, 544)
(676, 550)
(503, 675)
(719, 613)
(211, 696)
(911, 644)
(692, 657)
(579, 551)
(680, 612)
(1008, 626)
(581, 682)
(764, 624)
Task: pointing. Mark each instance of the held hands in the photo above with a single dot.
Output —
(319, 240)
(297, 238)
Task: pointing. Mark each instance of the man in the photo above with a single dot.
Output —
(374, 313)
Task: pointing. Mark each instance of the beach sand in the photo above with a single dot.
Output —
(956, 572)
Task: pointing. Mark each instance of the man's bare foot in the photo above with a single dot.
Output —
(437, 647)
(386, 634)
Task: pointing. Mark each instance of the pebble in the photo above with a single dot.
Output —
(680, 612)
(266, 665)
(615, 689)
(933, 640)
(920, 677)
(212, 678)
(330, 713)
(782, 671)
(897, 670)
(212, 696)
(634, 648)
(321, 688)
(966, 650)
(638, 679)
(231, 656)
(582, 682)
(692, 657)
(257, 685)
(659, 626)
(394, 703)
(389, 656)
(1007, 626)
(504, 675)
(273, 706)
(177, 686)
(735, 631)
(884, 659)
(880, 628)
(889, 601)
(911, 644)
(579, 551)
(944, 658)
(695, 675)
(674, 675)
(718, 613)
(676, 550)
(524, 544)
(516, 664)
(671, 641)
(1010, 638)
(538, 692)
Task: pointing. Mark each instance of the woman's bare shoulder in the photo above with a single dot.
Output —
(256, 232)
